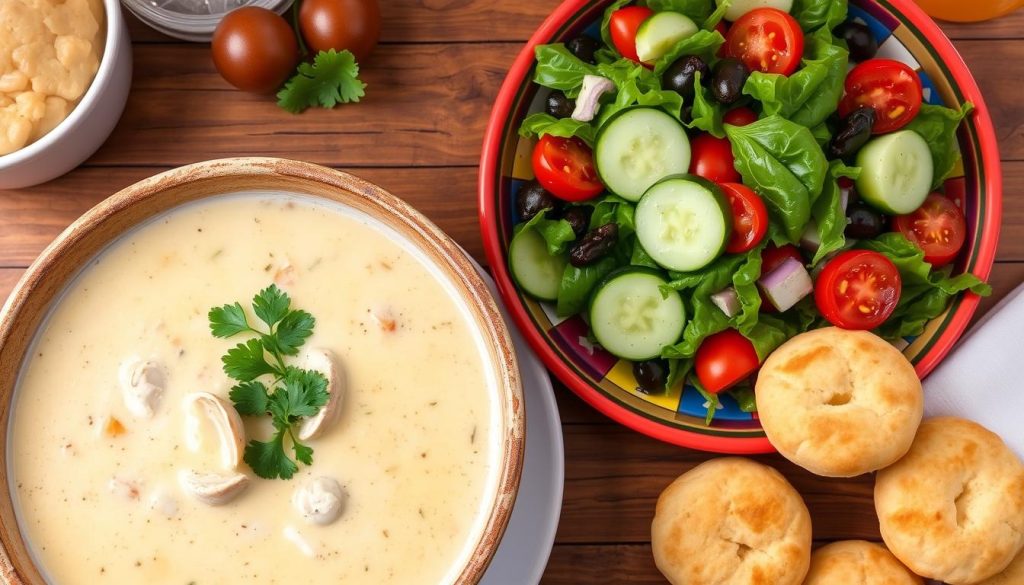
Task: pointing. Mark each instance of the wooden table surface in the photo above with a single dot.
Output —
(418, 133)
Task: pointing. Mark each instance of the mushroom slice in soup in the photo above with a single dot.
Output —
(326, 363)
(142, 386)
(320, 501)
(214, 489)
(225, 420)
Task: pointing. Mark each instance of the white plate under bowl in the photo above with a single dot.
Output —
(524, 550)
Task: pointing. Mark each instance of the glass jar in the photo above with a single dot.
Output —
(193, 20)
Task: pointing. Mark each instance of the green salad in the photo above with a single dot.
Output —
(713, 178)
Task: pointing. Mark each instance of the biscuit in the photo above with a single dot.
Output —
(839, 403)
(731, 521)
(857, 562)
(1011, 575)
(953, 508)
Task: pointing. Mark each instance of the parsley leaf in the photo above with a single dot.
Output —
(250, 398)
(294, 393)
(293, 330)
(268, 459)
(333, 78)
(227, 320)
(271, 305)
(305, 391)
(246, 361)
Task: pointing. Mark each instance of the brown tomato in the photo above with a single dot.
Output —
(254, 49)
(340, 25)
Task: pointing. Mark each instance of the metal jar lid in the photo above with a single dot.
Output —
(193, 20)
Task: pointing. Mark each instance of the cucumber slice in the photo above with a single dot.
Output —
(683, 223)
(534, 270)
(896, 172)
(659, 33)
(740, 7)
(638, 147)
(631, 318)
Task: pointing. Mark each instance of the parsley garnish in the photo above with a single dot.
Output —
(333, 78)
(293, 394)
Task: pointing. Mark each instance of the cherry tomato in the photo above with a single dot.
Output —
(771, 258)
(340, 24)
(623, 25)
(254, 49)
(749, 218)
(712, 159)
(740, 116)
(938, 227)
(723, 359)
(565, 167)
(890, 87)
(767, 40)
(858, 289)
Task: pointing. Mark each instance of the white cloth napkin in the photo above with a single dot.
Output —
(982, 379)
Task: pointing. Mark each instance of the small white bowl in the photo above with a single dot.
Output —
(89, 124)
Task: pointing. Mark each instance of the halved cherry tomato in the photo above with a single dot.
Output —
(623, 25)
(767, 40)
(749, 218)
(740, 116)
(565, 167)
(938, 227)
(858, 289)
(723, 359)
(712, 159)
(771, 258)
(890, 87)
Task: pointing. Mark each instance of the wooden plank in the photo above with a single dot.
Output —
(431, 21)
(426, 105)
(572, 564)
(996, 68)
(417, 21)
(31, 218)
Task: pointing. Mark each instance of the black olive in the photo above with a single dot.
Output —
(863, 222)
(853, 132)
(584, 47)
(532, 198)
(651, 375)
(579, 218)
(728, 79)
(858, 37)
(593, 246)
(679, 75)
(558, 105)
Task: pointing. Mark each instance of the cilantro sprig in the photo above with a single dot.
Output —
(293, 393)
(332, 78)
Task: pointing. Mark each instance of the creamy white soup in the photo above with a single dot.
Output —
(399, 485)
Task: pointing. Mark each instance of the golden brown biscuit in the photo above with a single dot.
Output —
(857, 562)
(839, 403)
(1011, 575)
(953, 508)
(731, 521)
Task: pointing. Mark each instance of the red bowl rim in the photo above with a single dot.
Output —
(985, 253)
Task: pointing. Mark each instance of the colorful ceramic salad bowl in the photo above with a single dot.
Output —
(904, 33)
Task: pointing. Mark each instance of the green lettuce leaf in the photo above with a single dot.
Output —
(578, 282)
(557, 68)
(810, 95)
(782, 161)
(706, 113)
(925, 293)
(557, 233)
(937, 125)
(829, 216)
(814, 14)
(698, 10)
(703, 43)
(541, 124)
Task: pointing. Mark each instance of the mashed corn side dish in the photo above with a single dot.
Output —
(49, 53)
